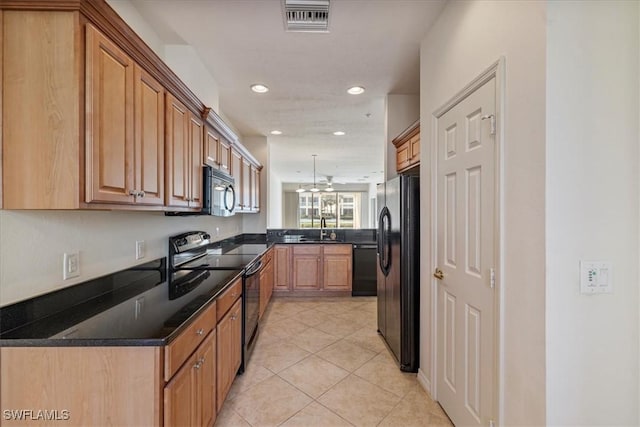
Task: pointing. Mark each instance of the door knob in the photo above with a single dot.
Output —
(438, 274)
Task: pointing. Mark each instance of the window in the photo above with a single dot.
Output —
(340, 210)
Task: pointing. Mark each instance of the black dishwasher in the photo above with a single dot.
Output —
(364, 270)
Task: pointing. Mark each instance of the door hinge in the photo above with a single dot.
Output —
(491, 117)
(492, 278)
(492, 423)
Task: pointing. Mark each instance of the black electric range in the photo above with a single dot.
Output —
(193, 258)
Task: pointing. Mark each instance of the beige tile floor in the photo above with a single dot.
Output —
(320, 362)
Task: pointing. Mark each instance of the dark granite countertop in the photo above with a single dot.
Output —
(127, 308)
(312, 236)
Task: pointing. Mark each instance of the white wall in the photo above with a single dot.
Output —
(185, 62)
(275, 204)
(592, 211)
(134, 19)
(401, 111)
(468, 37)
(32, 244)
(257, 223)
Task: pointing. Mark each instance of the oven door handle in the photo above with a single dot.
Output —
(255, 268)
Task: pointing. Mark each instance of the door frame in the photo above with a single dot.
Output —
(497, 71)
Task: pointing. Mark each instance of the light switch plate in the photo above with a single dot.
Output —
(596, 277)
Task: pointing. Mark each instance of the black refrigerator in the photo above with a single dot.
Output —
(399, 268)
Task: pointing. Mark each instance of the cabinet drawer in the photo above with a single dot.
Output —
(306, 249)
(226, 300)
(178, 350)
(337, 249)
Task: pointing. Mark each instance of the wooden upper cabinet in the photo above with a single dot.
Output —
(408, 148)
(211, 153)
(96, 125)
(196, 132)
(184, 134)
(177, 153)
(149, 138)
(236, 173)
(225, 156)
(109, 126)
(255, 189)
(245, 194)
(124, 128)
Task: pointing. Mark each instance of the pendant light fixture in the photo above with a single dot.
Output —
(314, 189)
(300, 189)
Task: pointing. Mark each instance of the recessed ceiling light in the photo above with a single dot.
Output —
(276, 132)
(338, 133)
(355, 90)
(259, 88)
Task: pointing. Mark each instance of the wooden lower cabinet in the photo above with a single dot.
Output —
(229, 350)
(307, 267)
(266, 281)
(282, 268)
(89, 386)
(313, 268)
(337, 267)
(189, 398)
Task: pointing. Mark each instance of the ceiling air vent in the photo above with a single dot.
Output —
(309, 16)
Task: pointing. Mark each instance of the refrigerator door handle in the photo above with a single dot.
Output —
(380, 239)
(385, 242)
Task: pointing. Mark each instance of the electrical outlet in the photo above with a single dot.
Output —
(140, 249)
(70, 265)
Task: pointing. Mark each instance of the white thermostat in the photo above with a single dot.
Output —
(596, 277)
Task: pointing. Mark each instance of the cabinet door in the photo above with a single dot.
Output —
(415, 149)
(196, 130)
(255, 189)
(225, 156)
(270, 279)
(282, 268)
(264, 291)
(229, 350)
(177, 153)
(149, 138)
(246, 185)
(306, 267)
(109, 121)
(180, 396)
(236, 172)
(403, 156)
(337, 272)
(207, 380)
(211, 155)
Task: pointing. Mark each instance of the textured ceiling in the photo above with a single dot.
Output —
(372, 43)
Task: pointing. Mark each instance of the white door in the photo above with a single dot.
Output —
(465, 370)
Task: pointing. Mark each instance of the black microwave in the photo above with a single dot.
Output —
(218, 194)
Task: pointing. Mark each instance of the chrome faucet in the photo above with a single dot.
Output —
(323, 226)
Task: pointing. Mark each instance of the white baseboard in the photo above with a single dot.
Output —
(424, 382)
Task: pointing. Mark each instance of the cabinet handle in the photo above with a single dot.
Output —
(200, 331)
(197, 365)
(133, 193)
(233, 295)
(233, 317)
(140, 193)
